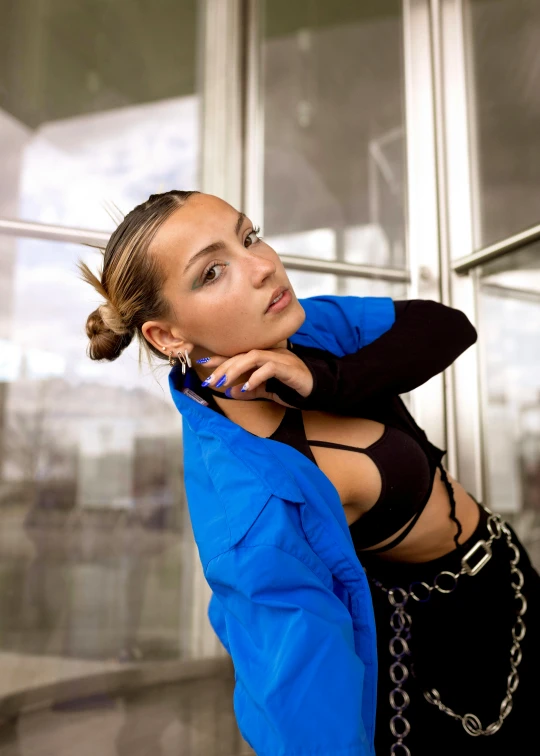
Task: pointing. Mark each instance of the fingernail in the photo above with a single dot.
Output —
(203, 360)
(228, 392)
(221, 381)
(207, 380)
(245, 387)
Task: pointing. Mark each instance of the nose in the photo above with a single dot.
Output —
(262, 268)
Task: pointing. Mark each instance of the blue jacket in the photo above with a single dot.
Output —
(291, 602)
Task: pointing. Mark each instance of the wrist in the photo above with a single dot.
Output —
(321, 387)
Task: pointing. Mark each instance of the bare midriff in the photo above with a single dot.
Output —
(358, 483)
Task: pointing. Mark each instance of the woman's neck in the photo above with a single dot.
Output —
(259, 418)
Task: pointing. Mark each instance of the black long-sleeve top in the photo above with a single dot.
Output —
(425, 339)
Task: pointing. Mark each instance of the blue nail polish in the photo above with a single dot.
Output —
(228, 392)
(207, 381)
(221, 381)
(203, 360)
(244, 387)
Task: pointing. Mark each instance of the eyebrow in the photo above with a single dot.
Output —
(216, 246)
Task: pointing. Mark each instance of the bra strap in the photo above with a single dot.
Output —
(332, 445)
(453, 516)
(291, 431)
(359, 449)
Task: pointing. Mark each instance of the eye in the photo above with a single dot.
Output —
(253, 233)
(210, 269)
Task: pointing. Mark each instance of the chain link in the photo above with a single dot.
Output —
(401, 622)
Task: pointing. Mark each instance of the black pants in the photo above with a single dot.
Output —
(460, 644)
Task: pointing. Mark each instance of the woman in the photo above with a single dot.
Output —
(301, 462)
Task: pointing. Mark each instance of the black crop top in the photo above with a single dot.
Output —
(425, 339)
(406, 472)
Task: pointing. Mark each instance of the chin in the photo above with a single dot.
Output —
(293, 321)
(300, 314)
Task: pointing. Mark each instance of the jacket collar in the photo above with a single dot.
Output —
(252, 452)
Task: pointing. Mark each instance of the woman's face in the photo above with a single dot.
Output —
(220, 280)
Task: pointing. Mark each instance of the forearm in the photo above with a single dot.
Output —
(425, 339)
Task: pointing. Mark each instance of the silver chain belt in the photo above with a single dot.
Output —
(401, 622)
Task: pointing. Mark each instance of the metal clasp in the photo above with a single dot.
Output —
(485, 559)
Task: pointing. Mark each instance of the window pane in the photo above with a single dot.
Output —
(320, 243)
(510, 323)
(504, 58)
(334, 126)
(309, 284)
(97, 101)
(91, 472)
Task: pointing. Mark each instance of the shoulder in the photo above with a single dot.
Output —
(343, 324)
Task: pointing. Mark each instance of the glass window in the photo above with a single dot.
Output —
(310, 284)
(334, 128)
(93, 508)
(509, 304)
(97, 101)
(504, 60)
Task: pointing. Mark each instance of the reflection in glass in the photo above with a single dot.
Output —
(504, 59)
(334, 126)
(309, 284)
(509, 303)
(192, 717)
(365, 287)
(97, 101)
(92, 510)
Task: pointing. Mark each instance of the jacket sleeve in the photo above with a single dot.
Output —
(299, 681)
(425, 339)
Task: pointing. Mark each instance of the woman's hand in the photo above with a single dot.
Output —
(265, 363)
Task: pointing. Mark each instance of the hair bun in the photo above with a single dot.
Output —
(106, 343)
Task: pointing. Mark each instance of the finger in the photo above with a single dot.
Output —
(268, 367)
(213, 361)
(220, 367)
(261, 375)
(233, 367)
(257, 382)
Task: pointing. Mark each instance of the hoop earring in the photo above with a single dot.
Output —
(187, 358)
(172, 360)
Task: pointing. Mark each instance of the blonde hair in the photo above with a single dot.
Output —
(130, 280)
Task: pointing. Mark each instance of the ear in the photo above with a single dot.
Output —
(164, 339)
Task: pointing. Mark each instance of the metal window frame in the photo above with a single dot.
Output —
(424, 189)
(463, 388)
(99, 239)
(511, 244)
(459, 134)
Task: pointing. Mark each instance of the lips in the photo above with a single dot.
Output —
(275, 294)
